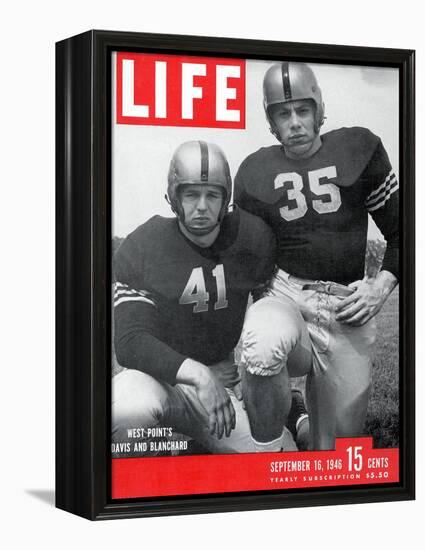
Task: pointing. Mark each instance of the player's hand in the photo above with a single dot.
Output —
(212, 395)
(216, 401)
(367, 299)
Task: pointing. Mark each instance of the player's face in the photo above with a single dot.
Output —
(201, 205)
(295, 122)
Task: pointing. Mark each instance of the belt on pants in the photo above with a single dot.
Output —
(328, 287)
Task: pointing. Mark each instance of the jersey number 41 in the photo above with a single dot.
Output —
(195, 291)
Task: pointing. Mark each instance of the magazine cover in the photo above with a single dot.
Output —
(255, 238)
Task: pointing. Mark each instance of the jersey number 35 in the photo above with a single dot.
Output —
(330, 196)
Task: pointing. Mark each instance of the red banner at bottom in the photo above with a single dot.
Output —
(354, 462)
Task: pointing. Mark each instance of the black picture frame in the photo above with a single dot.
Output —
(83, 256)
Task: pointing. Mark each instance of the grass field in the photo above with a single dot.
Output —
(383, 412)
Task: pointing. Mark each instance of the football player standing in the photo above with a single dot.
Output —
(315, 191)
(181, 291)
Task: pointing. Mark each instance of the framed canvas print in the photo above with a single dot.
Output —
(235, 274)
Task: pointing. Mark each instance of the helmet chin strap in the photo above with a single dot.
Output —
(275, 133)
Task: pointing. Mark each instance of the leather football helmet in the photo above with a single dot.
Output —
(290, 81)
(198, 163)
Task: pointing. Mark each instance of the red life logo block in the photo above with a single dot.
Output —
(171, 90)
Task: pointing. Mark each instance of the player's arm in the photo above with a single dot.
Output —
(137, 328)
(138, 346)
(382, 203)
(137, 335)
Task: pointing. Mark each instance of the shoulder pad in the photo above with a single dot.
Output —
(351, 149)
(255, 228)
(152, 227)
(253, 174)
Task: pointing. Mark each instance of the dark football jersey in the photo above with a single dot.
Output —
(318, 207)
(190, 301)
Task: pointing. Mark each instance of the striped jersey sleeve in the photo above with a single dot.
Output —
(138, 334)
(124, 293)
(382, 203)
(380, 196)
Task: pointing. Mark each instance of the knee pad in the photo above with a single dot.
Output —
(272, 330)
